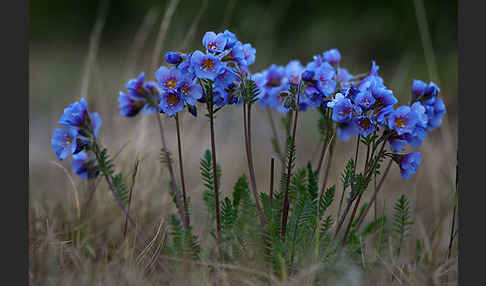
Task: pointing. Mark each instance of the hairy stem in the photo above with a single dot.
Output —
(180, 208)
(181, 168)
(210, 107)
(130, 198)
(341, 202)
(373, 198)
(249, 156)
(275, 134)
(348, 206)
(289, 168)
(328, 167)
(369, 171)
(272, 168)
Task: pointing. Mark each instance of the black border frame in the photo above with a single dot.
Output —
(15, 131)
(471, 63)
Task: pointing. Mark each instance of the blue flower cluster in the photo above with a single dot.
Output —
(360, 105)
(81, 128)
(179, 85)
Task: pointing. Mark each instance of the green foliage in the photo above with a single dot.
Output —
(402, 220)
(290, 160)
(105, 164)
(165, 157)
(184, 243)
(120, 187)
(206, 169)
(348, 173)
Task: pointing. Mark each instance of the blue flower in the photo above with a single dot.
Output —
(169, 79)
(249, 54)
(346, 130)
(64, 142)
(231, 39)
(332, 56)
(402, 120)
(130, 105)
(325, 76)
(431, 93)
(434, 113)
(365, 125)
(418, 108)
(418, 88)
(425, 92)
(225, 78)
(313, 97)
(235, 53)
(397, 143)
(373, 80)
(416, 137)
(384, 96)
(308, 75)
(342, 110)
(190, 91)
(293, 70)
(154, 92)
(343, 75)
(351, 92)
(277, 101)
(75, 115)
(374, 69)
(95, 122)
(135, 86)
(274, 76)
(185, 66)
(214, 42)
(383, 113)
(220, 97)
(206, 66)
(316, 63)
(171, 102)
(264, 95)
(409, 164)
(173, 58)
(364, 99)
(83, 166)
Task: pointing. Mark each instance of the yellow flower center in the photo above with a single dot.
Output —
(274, 82)
(185, 89)
(400, 122)
(173, 98)
(365, 123)
(171, 83)
(208, 64)
(212, 46)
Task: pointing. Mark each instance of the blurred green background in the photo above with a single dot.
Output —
(390, 32)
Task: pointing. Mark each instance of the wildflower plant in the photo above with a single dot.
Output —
(294, 225)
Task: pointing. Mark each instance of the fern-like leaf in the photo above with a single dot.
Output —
(402, 220)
